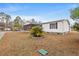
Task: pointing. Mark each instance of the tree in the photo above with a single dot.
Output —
(74, 14)
(5, 17)
(17, 23)
(8, 17)
(33, 21)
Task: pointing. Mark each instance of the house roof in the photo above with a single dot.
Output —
(29, 22)
(56, 21)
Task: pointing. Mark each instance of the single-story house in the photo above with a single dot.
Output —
(59, 26)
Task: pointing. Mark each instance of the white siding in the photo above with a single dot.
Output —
(66, 26)
(61, 27)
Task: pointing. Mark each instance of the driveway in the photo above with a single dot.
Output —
(1, 34)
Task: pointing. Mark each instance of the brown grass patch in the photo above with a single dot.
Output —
(21, 43)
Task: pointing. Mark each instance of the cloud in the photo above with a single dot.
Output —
(8, 9)
(12, 8)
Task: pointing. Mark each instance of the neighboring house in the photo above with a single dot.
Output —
(2, 22)
(29, 24)
(2, 26)
(2, 19)
(59, 26)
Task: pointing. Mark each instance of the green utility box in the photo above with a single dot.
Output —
(42, 52)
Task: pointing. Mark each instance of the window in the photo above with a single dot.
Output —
(53, 26)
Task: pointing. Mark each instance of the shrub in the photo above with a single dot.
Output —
(76, 27)
(36, 31)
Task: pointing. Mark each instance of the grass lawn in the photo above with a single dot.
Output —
(21, 43)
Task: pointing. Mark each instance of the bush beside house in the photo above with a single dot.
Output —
(76, 26)
(36, 31)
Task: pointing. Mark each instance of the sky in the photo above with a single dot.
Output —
(39, 11)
